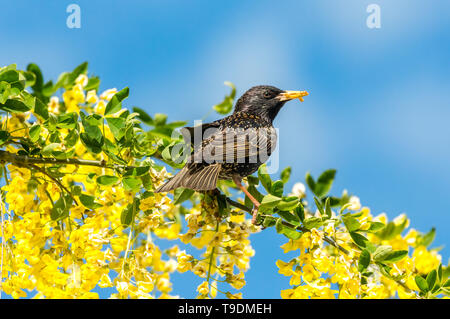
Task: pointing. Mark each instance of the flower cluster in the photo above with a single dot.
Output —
(341, 268)
(80, 218)
(226, 245)
(63, 234)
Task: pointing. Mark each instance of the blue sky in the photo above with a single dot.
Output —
(378, 109)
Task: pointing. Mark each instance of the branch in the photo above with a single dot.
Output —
(63, 188)
(24, 161)
(301, 228)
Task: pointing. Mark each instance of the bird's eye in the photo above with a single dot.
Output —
(267, 94)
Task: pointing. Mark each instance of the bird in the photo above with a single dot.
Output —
(235, 146)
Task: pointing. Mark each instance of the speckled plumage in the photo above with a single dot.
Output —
(247, 134)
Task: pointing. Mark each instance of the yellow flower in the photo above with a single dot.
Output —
(237, 281)
(287, 293)
(203, 288)
(309, 273)
(296, 278)
(424, 260)
(91, 97)
(354, 202)
(108, 94)
(285, 268)
(82, 80)
(53, 105)
(184, 261)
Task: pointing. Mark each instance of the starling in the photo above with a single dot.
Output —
(235, 146)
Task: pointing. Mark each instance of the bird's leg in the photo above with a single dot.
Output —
(255, 202)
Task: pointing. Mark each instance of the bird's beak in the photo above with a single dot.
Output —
(290, 95)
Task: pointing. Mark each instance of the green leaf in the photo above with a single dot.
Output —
(359, 239)
(310, 182)
(116, 124)
(137, 171)
(395, 256)
(14, 106)
(115, 104)
(39, 80)
(175, 124)
(439, 273)
(160, 119)
(276, 188)
(286, 205)
(92, 144)
(28, 99)
(131, 183)
(364, 260)
(324, 182)
(67, 120)
(48, 149)
(93, 84)
(128, 213)
(287, 231)
(4, 136)
(89, 201)
(421, 283)
(30, 78)
(252, 180)
(300, 212)
(319, 206)
(290, 218)
(381, 252)
(143, 116)
(182, 194)
(226, 105)
(69, 79)
(268, 202)
(34, 132)
(328, 208)
(9, 76)
(107, 180)
(71, 139)
(285, 174)
(376, 226)
(312, 222)
(270, 221)
(391, 230)
(41, 109)
(428, 238)
(5, 91)
(431, 279)
(350, 222)
(255, 193)
(61, 207)
(264, 177)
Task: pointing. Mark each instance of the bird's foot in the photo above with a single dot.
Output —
(254, 215)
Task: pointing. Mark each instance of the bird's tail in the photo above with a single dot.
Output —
(204, 178)
(174, 182)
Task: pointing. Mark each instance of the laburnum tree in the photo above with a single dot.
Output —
(79, 215)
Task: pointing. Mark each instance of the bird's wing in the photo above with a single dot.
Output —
(196, 134)
(235, 145)
(199, 177)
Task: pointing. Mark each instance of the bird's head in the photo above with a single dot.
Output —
(266, 101)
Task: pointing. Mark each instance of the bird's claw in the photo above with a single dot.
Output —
(254, 215)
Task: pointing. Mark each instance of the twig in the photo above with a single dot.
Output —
(63, 188)
(24, 160)
(301, 228)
